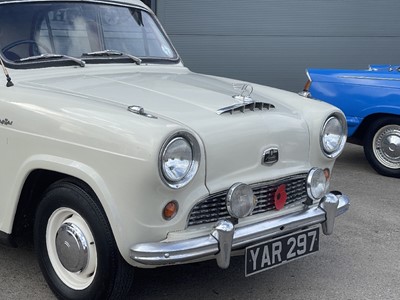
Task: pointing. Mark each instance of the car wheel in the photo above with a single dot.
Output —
(382, 146)
(75, 246)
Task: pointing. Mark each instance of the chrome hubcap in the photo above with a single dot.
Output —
(386, 145)
(71, 246)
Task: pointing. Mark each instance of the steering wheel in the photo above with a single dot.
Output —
(21, 42)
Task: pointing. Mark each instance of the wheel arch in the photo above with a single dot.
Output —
(34, 186)
(359, 135)
(36, 180)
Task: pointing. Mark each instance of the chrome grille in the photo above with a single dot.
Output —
(213, 208)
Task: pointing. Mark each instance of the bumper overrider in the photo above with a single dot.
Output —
(225, 237)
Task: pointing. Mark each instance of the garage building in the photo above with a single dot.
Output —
(272, 42)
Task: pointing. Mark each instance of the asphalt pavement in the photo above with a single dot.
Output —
(360, 260)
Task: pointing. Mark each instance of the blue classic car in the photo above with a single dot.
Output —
(370, 100)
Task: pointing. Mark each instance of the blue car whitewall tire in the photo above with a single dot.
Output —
(382, 146)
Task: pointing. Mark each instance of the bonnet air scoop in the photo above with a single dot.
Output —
(244, 107)
(246, 102)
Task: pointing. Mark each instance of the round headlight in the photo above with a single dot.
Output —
(317, 184)
(240, 200)
(179, 160)
(333, 136)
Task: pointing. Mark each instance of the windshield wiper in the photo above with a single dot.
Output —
(52, 55)
(107, 52)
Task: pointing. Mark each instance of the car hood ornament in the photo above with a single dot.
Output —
(245, 90)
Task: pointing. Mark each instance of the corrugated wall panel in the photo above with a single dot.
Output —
(273, 41)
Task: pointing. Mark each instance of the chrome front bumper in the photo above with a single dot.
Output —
(225, 237)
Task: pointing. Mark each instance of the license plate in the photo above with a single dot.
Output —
(281, 250)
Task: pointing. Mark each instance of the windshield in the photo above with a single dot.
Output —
(77, 30)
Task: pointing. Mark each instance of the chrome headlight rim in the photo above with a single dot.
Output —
(338, 148)
(316, 192)
(193, 166)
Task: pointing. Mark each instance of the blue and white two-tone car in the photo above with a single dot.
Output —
(370, 100)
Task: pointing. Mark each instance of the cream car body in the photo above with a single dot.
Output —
(77, 122)
(105, 126)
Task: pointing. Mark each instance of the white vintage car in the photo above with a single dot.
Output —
(117, 156)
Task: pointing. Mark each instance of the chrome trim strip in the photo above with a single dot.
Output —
(368, 77)
(167, 253)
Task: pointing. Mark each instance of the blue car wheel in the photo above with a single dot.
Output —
(382, 146)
